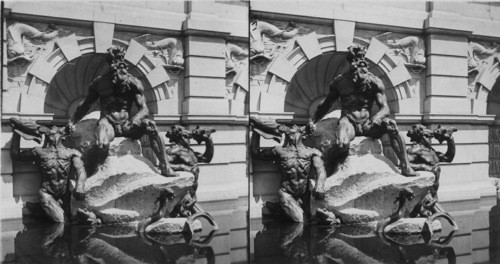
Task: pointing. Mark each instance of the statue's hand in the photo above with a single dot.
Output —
(201, 135)
(442, 134)
(70, 127)
(318, 193)
(80, 195)
(377, 121)
(310, 127)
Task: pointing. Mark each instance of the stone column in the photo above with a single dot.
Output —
(446, 80)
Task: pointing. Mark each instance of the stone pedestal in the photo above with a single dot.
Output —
(366, 185)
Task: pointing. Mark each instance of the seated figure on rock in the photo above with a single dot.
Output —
(357, 90)
(295, 162)
(117, 91)
(55, 162)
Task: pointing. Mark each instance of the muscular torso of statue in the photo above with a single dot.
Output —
(356, 103)
(423, 155)
(294, 164)
(182, 155)
(115, 103)
(54, 165)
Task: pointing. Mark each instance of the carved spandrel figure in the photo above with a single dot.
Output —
(55, 162)
(295, 162)
(357, 90)
(117, 91)
(183, 158)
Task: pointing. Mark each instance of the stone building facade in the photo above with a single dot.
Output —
(179, 51)
(437, 60)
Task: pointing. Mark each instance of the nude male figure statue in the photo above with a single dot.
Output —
(54, 162)
(357, 90)
(117, 91)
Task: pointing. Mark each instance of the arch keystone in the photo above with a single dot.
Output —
(344, 34)
(42, 70)
(103, 34)
(283, 69)
(376, 50)
(135, 52)
(157, 76)
(69, 47)
(488, 77)
(399, 75)
(310, 45)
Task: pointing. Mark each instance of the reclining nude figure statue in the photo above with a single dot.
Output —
(295, 162)
(357, 90)
(117, 91)
(54, 162)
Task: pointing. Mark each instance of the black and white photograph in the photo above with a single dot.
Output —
(250, 131)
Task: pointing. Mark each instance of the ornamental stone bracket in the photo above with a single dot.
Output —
(284, 94)
(41, 91)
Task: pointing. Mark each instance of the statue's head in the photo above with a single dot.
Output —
(118, 66)
(420, 134)
(359, 66)
(53, 135)
(293, 134)
(178, 134)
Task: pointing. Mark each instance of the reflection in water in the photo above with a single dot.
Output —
(57, 244)
(299, 243)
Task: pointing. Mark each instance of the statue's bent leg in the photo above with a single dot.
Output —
(399, 146)
(158, 147)
(51, 207)
(344, 134)
(291, 207)
(105, 133)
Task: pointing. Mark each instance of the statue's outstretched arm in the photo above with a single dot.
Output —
(381, 101)
(81, 175)
(319, 168)
(323, 107)
(140, 102)
(205, 136)
(83, 108)
(450, 152)
(258, 152)
(16, 153)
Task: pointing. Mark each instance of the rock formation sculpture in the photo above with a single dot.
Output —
(54, 162)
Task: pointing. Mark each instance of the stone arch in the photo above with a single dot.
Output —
(45, 96)
(276, 97)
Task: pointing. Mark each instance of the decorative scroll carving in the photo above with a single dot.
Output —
(258, 29)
